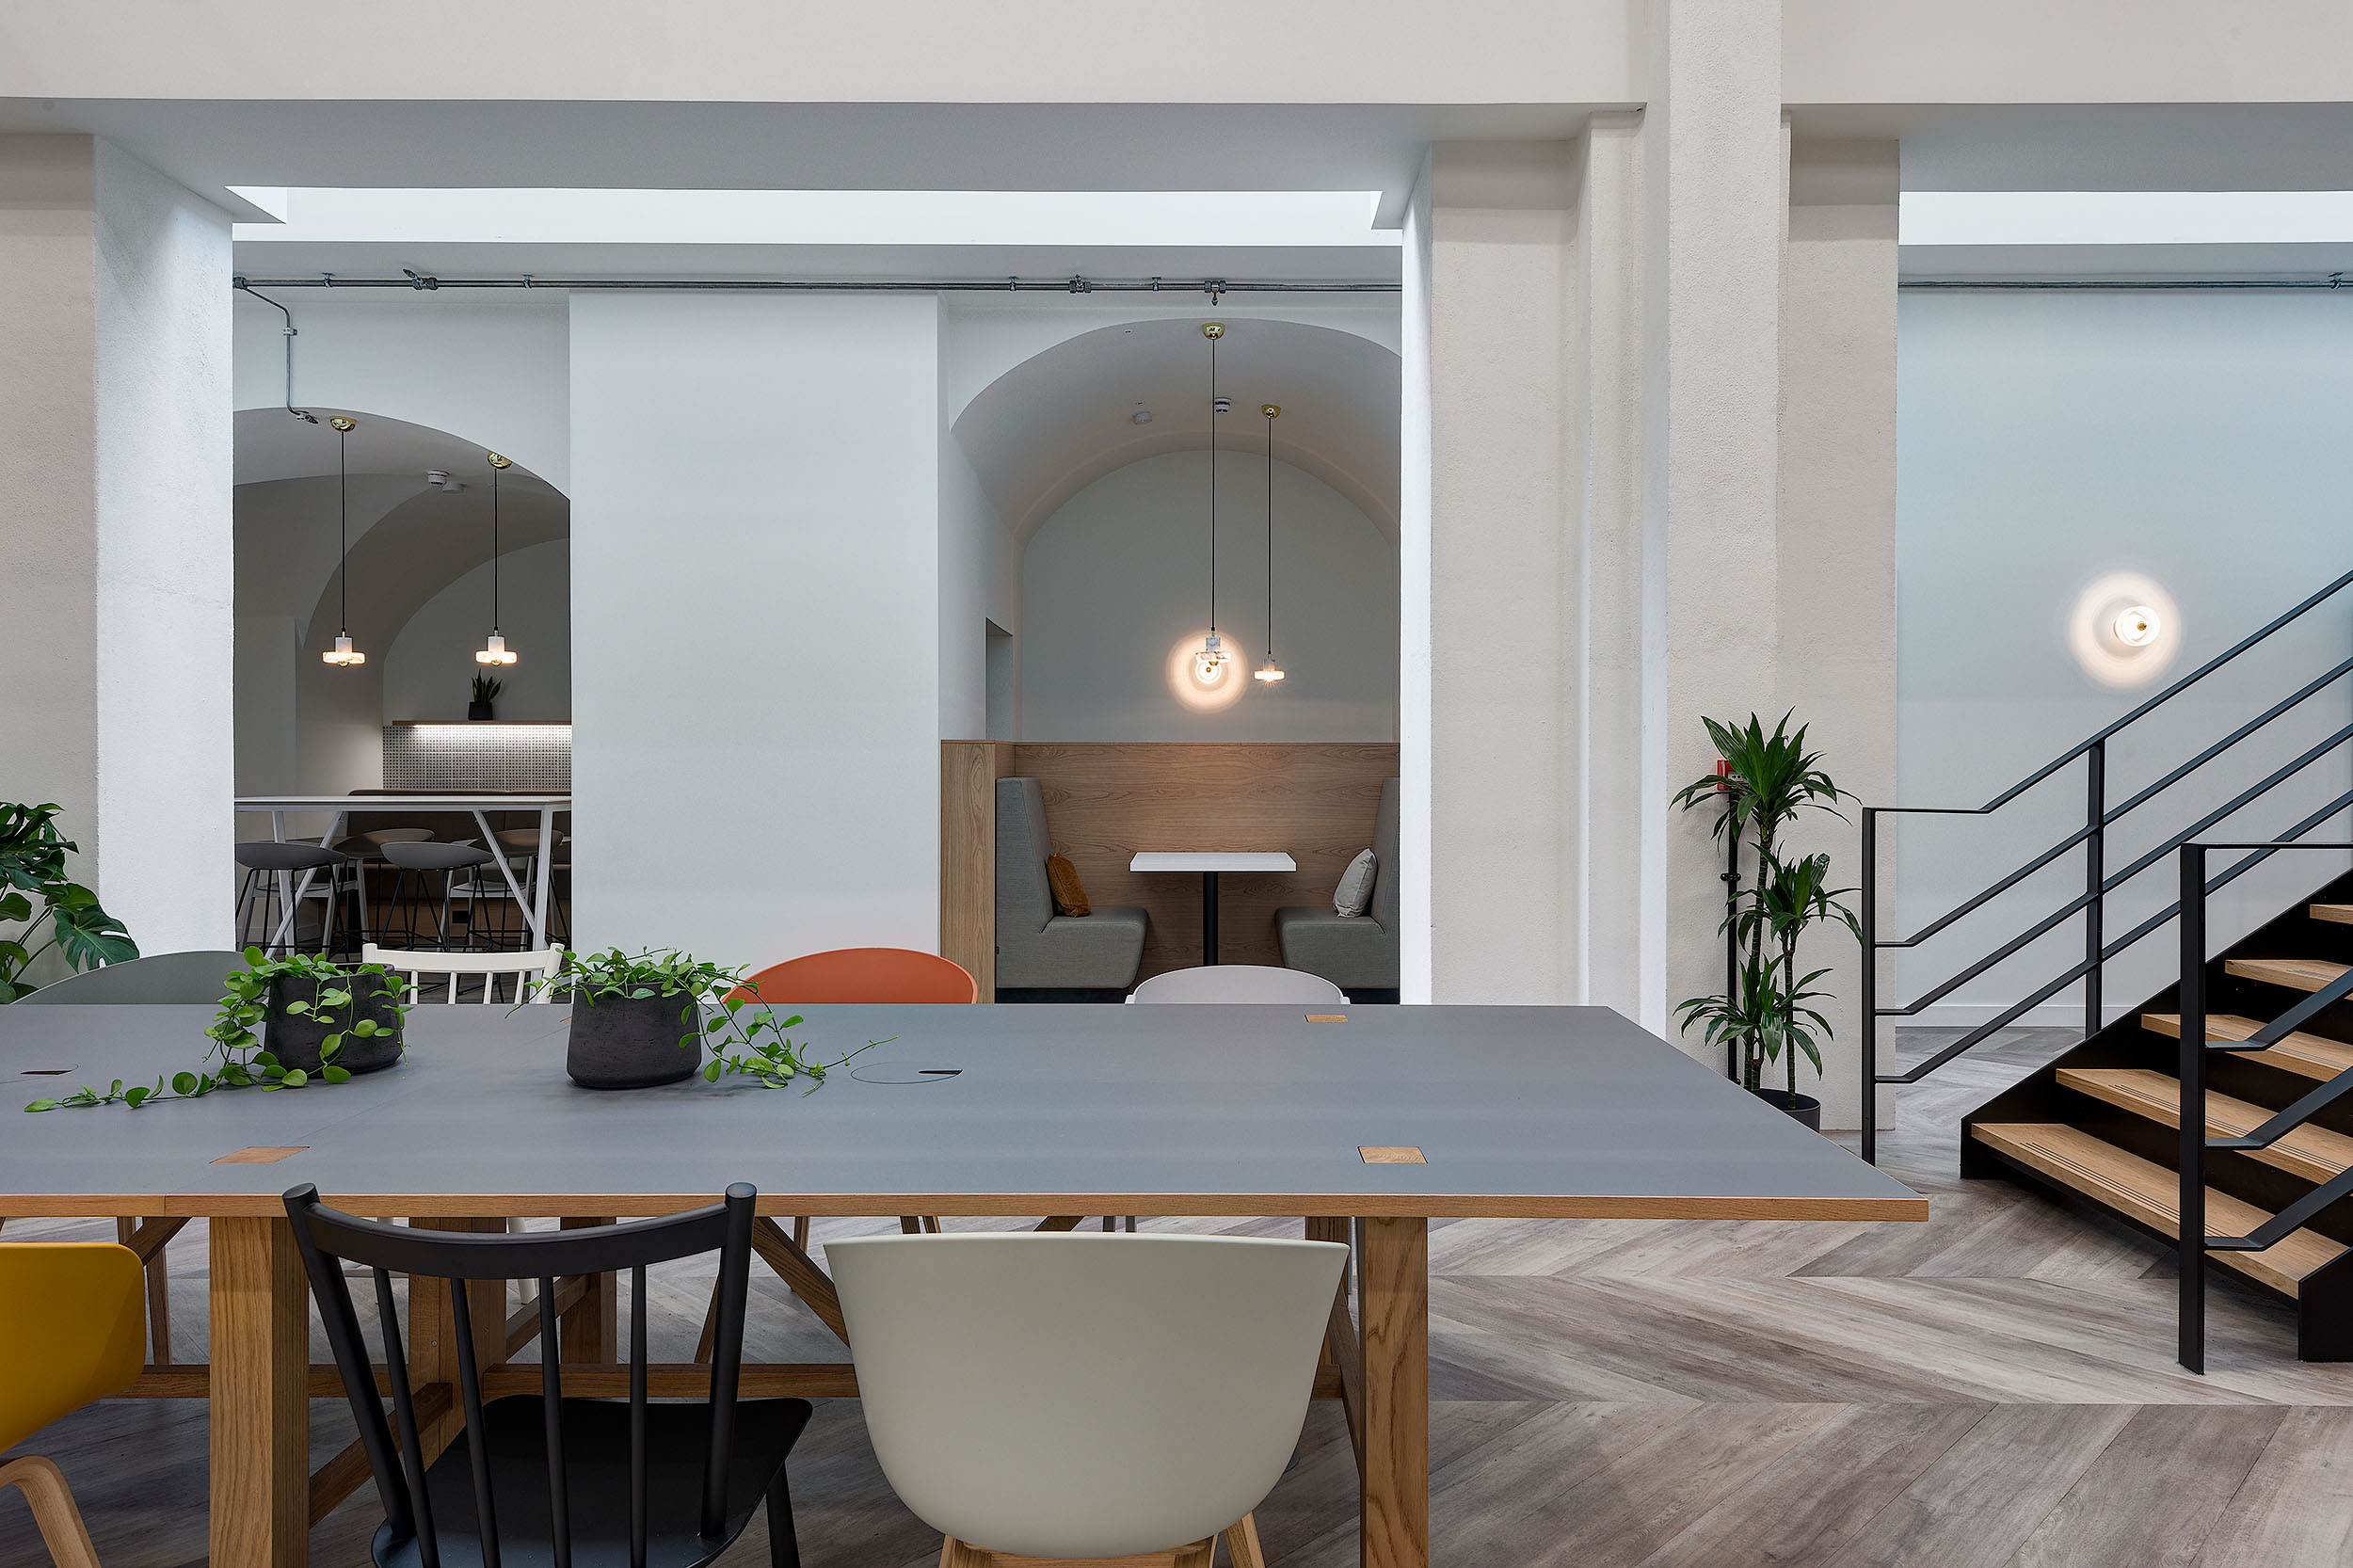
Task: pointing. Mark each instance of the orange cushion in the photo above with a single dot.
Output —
(1071, 895)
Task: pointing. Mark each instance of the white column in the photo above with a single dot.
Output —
(1837, 578)
(1504, 573)
(116, 464)
(1712, 395)
(756, 622)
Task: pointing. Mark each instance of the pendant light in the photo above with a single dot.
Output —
(495, 652)
(1209, 666)
(1270, 672)
(342, 654)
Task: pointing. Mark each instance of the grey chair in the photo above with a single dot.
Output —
(418, 861)
(1042, 955)
(1239, 983)
(160, 979)
(1359, 954)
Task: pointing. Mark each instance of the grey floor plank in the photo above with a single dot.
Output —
(2154, 1493)
(2296, 1504)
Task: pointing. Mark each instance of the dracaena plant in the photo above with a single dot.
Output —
(743, 1039)
(47, 910)
(1768, 782)
(237, 1060)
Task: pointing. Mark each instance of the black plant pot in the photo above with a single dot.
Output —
(294, 1038)
(631, 1043)
(1807, 1111)
(477, 710)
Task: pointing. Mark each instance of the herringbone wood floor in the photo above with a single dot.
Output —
(1993, 1389)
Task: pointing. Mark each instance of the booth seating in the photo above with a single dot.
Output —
(1037, 950)
(1358, 955)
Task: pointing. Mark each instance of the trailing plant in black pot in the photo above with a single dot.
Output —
(1768, 783)
(296, 1019)
(642, 1019)
(486, 691)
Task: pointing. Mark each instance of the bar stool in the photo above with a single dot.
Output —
(273, 873)
(367, 849)
(521, 845)
(416, 858)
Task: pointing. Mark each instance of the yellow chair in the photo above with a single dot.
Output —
(72, 1319)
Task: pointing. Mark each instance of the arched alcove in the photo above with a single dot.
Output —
(303, 725)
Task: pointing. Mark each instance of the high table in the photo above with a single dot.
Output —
(1208, 863)
(1365, 1125)
(534, 908)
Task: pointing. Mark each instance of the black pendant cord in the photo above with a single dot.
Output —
(342, 526)
(1212, 486)
(494, 550)
(1269, 538)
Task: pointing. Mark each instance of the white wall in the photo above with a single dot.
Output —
(490, 367)
(116, 465)
(429, 668)
(756, 759)
(2046, 440)
(1118, 576)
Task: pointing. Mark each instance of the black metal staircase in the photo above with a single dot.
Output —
(2257, 1039)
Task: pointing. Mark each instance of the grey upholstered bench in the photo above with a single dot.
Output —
(1042, 955)
(1360, 954)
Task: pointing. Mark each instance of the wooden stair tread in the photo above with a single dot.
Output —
(2298, 974)
(2150, 1195)
(2313, 1055)
(2314, 1153)
(2341, 913)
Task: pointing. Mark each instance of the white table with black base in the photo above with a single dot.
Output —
(1208, 863)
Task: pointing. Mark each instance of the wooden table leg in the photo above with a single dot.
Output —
(591, 1330)
(1340, 1347)
(1393, 1287)
(260, 1386)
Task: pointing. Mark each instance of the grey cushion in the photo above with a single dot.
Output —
(1360, 953)
(1354, 896)
(1037, 949)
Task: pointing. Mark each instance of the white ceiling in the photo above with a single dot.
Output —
(1058, 421)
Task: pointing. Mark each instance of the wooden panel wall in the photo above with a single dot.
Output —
(968, 771)
(1105, 801)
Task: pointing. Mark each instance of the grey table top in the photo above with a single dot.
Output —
(1518, 1112)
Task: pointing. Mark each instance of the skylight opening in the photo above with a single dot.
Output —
(2126, 218)
(809, 217)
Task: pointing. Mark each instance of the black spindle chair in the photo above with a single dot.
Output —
(533, 1481)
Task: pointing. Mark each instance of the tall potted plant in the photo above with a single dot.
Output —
(1767, 783)
(486, 691)
(32, 868)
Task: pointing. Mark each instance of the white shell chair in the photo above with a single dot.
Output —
(1240, 983)
(1075, 1397)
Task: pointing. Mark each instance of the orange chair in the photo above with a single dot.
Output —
(860, 974)
(856, 975)
(72, 1319)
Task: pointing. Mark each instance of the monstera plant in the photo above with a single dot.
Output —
(40, 908)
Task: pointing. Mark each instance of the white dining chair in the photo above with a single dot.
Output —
(1240, 983)
(532, 970)
(1075, 1397)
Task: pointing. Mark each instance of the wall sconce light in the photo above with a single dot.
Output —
(2138, 626)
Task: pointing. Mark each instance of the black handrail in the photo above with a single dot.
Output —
(2192, 1243)
(2091, 904)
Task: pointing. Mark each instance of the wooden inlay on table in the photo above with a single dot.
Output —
(262, 1154)
(1390, 1154)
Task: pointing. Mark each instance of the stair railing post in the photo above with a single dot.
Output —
(2191, 1251)
(1870, 1029)
(2095, 879)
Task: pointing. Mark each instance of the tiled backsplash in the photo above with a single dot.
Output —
(478, 756)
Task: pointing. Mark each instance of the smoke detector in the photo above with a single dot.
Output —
(439, 478)
(1142, 416)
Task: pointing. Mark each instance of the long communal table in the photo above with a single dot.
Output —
(1365, 1124)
